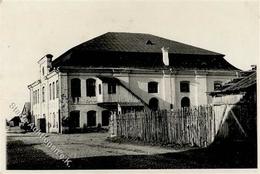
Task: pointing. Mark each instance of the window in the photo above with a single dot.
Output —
(185, 86)
(152, 87)
(43, 94)
(57, 89)
(50, 90)
(43, 71)
(185, 102)
(91, 118)
(33, 95)
(37, 96)
(217, 85)
(99, 89)
(111, 88)
(53, 123)
(75, 88)
(91, 87)
(53, 90)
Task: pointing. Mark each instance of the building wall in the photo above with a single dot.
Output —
(47, 108)
(59, 108)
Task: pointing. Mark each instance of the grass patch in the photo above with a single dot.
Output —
(136, 141)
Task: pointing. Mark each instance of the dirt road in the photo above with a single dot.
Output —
(87, 145)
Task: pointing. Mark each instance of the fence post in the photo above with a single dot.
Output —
(113, 125)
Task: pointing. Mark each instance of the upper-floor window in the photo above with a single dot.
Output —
(91, 87)
(37, 96)
(53, 90)
(185, 86)
(152, 87)
(217, 85)
(57, 89)
(43, 94)
(75, 88)
(99, 89)
(43, 73)
(50, 91)
(111, 86)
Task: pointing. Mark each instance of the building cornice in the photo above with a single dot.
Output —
(34, 84)
(166, 71)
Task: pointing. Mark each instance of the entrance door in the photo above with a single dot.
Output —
(74, 120)
(105, 118)
(154, 104)
(41, 122)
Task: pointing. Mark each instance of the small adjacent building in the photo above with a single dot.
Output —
(118, 72)
(235, 106)
(26, 113)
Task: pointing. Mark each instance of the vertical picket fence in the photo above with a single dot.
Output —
(186, 126)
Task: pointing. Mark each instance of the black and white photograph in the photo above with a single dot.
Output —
(113, 85)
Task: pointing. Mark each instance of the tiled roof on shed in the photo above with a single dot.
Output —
(240, 85)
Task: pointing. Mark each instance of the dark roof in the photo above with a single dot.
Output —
(238, 85)
(139, 50)
(139, 43)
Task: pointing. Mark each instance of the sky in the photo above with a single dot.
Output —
(31, 29)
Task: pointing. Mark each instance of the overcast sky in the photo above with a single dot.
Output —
(29, 30)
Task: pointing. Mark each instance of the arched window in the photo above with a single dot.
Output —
(53, 90)
(152, 87)
(43, 94)
(185, 86)
(38, 96)
(185, 102)
(53, 123)
(57, 89)
(75, 88)
(91, 87)
(74, 119)
(217, 85)
(91, 118)
(154, 104)
(105, 117)
(99, 89)
(50, 90)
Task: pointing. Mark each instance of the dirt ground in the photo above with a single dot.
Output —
(86, 145)
(93, 151)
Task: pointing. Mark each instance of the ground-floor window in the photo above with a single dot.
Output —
(91, 118)
(105, 118)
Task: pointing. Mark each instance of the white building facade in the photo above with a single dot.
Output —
(83, 86)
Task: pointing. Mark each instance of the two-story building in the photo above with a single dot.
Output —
(119, 72)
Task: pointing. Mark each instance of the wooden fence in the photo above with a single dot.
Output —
(187, 126)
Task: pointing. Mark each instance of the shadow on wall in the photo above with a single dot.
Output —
(240, 123)
(135, 88)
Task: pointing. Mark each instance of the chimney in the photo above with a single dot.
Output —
(165, 55)
(253, 67)
(49, 60)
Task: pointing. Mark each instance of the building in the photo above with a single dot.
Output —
(117, 72)
(25, 115)
(235, 108)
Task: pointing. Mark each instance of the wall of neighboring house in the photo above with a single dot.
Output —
(45, 98)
